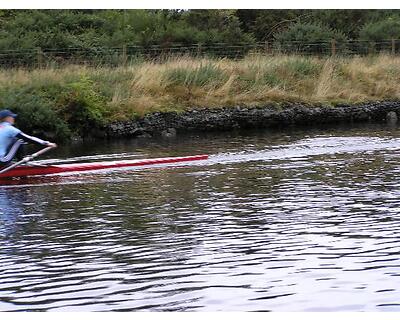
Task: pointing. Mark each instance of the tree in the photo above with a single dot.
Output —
(348, 21)
(217, 26)
(269, 22)
(381, 30)
(308, 37)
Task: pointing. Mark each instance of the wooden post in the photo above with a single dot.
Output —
(124, 55)
(393, 47)
(39, 58)
(199, 50)
(333, 47)
(266, 47)
(278, 49)
(371, 48)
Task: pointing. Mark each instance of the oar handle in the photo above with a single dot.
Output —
(36, 154)
(27, 158)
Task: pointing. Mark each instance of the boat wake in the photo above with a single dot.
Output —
(312, 147)
(292, 153)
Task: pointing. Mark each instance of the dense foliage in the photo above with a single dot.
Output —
(59, 110)
(301, 35)
(384, 29)
(27, 29)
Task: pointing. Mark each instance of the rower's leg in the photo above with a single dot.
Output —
(13, 151)
(20, 154)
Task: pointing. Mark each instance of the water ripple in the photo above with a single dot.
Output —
(306, 225)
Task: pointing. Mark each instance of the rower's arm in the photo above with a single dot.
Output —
(31, 139)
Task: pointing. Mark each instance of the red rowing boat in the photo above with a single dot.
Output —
(36, 170)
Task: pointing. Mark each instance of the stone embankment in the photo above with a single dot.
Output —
(218, 119)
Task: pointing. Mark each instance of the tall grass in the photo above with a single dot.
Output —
(185, 82)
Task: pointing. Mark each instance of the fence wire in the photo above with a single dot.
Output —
(117, 56)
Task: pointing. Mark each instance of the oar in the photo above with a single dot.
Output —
(26, 159)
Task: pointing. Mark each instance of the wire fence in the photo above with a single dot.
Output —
(117, 56)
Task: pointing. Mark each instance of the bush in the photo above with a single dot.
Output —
(308, 37)
(36, 114)
(381, 30)
(82, 107)
(57, 111)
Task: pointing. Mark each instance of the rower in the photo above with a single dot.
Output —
(13, 139)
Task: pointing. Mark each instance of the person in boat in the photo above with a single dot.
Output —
(13, 139)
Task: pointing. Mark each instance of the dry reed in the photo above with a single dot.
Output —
(186, 82)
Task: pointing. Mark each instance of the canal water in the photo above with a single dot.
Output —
(288, 220)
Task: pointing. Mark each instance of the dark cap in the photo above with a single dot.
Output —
(7, 113)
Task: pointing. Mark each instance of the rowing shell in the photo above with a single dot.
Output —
(24, 171)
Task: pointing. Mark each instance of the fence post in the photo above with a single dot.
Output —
(124, 55)
(333, 47)
(266, 47)
(278, 48)
(199, 50)
(371, 47)
(393, 47)
(39, 57)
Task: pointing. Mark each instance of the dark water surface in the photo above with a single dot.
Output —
(302, 220)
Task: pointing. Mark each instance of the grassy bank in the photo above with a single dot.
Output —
(75, 99)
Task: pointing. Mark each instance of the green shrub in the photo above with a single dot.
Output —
(381, 30)
(57, 110)
(309, 37)
(36, 114)
(82, 107)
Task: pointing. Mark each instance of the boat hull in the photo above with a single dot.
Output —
(25, 171)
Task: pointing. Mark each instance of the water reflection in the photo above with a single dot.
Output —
(10, 210)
